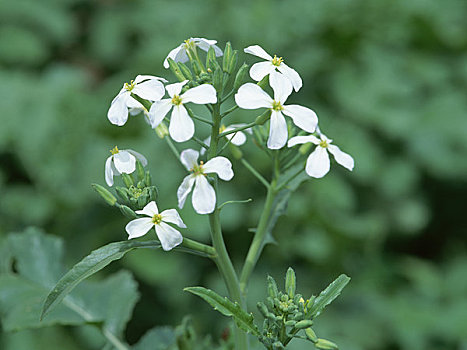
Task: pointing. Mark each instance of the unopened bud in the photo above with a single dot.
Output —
(262, 308)
(122, 192)
(152, 193)
(304, 324)
(324, 344)
(290, 282)
(263, 83)
(310, 333)
(263, 118)
(233, 62)
(185, 71)
(127, 180)
(240, 77)
(196, 67)
(236, 151)
(105, 194)
(217, 79)
(290, 323)
(227, 57)
(162, 130)
(147, 178)
(272, 288)
(176, 70)
(130, 214)
(139, 170)
(305, 148)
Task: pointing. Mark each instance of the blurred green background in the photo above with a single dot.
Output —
(388, 80)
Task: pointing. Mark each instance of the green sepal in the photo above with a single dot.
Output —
(185, 70)
(196, 66)
(263, 83)
(304, 324)
(128, 212)
(240, 76)
(290, 283)
(233, 62)
(311, 335)
(227, 57)
(153, 193)
(128, 180)
(122, 192)
(217, 80)
(147, 178)
(211, 61)
(327, 296)
(143, 200)
(243, 319)
(176, 70)
(162, 130)
(139, 170)
(324, 344)
(263, 118)
(105, 194)
(273, 292)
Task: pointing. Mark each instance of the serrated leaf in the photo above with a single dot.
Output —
(328, 295)
(243, 319)
(92, 263)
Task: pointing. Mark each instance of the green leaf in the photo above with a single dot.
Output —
(158, 338)
(92, 263)
(243, 319)
(328, 295)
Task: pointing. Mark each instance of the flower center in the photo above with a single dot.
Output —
(114, 150)
(189, 44)
(276, 61)
(198, 169)
(156, 219)
(276, 105)
(323, 143)
(176, 100)
(130, 86)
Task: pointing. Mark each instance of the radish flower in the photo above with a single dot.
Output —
(259, 70)
(168, 236)
(318, 163)
(147, 87)
(204, 196)
(181, 126)
(251, 96)
(179, 54)
(121, 161)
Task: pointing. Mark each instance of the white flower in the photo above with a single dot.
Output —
(238, 138)
(168, 236)
(259, 70)
(251, 96)
(181, 126)
(318, 164)
(179, 54)
(121, 161)
(147, 87)
(204, 196)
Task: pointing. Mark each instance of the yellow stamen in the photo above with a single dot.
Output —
(323, 143)
(156, 219)
(114, 150)
(176, 100)
(198, 169)
(130, 86)
(277, 61)
(276, 105)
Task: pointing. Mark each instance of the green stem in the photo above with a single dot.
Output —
(247, 126)
(255, 172)
(172, 147)
(257, 244)
(222, 260)
(199, 247)
(194, 116)
(230, 110)
(286, 182)
(200, 142)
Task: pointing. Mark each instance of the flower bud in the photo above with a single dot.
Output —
(143, 199)
(105, 194)
(290, 323)
(185, 71)
(305, 148)
(196, 67)
(263, 83)
(139, 170)
(162, 130)
(176, 70)
(217, 80)
(310, 333)
(127, 180)
(122, 192)
(263, 118)
(130, 214)
(304, 324)
(233, 62)
(236, 151)
(262, 308)
(290, 282)
(324, 344)
(240, 77)
(272, 287)
(152, 193)
(227, 57)
(147, 179)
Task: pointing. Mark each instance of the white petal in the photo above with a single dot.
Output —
(203, 150)
(238, 139)
(172, 216)
(277, 131)
(125, 162)
(221, 166)
(143, 77)
(184, 189)
(204, 41)
(109, 175)
(181, 126)
(302, 117)
(172, 54)
(158, 111)
(131, 102)
(174, 89)
(292, 75)
(189, 158)
(297, 140)
(259, 70)
(342, 158)
(318, 164)
(204, 196)
(251, 96)
(281, 85)
(149, 209)
(139, 156)
(200, 95)
(258, 51)
(118, 111)
(138, 227)
(152, 90)
(204, 44)
(168, 236)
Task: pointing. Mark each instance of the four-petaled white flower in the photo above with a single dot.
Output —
(318, 163)
(204, 196)
(259, 70)
(121, 161)
(179, 54)
(147, 87)
(168, 236)
(251, 96)
(238, 138)
(181, 126)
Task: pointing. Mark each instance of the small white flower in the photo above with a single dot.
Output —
(204, 196)
(259, 70)
(168, 236)
(251, 96)
(147, 87)
(181, 126)
(238, 138)
(121, 161)
(318, 164)
(179, 54)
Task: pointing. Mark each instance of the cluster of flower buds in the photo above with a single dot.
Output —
(286, 314)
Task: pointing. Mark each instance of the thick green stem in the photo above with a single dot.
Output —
(199, 247)
(257, 244)
(222, 260)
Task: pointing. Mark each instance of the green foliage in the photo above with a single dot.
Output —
(327, 296)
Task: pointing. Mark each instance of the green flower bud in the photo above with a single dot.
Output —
(262, 308)
(217, 79)
(263, 118)
(162, 130)
(211, 58)
(290, 323)
(143, 200)
(147, 179)
(139, 170)
(310, 333)
(152, 193)
(196, 66)
(240, 77)
(127, 180)
(130, 214)
(290, 282)
(185, 71)
(324, 344)
(105, 194)
(176, 70)
(233, 62)
(122, 192)
(305, 148)
(236, 151)
(263, 83)
(227, 57)
(272, 287)
(304, 324)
